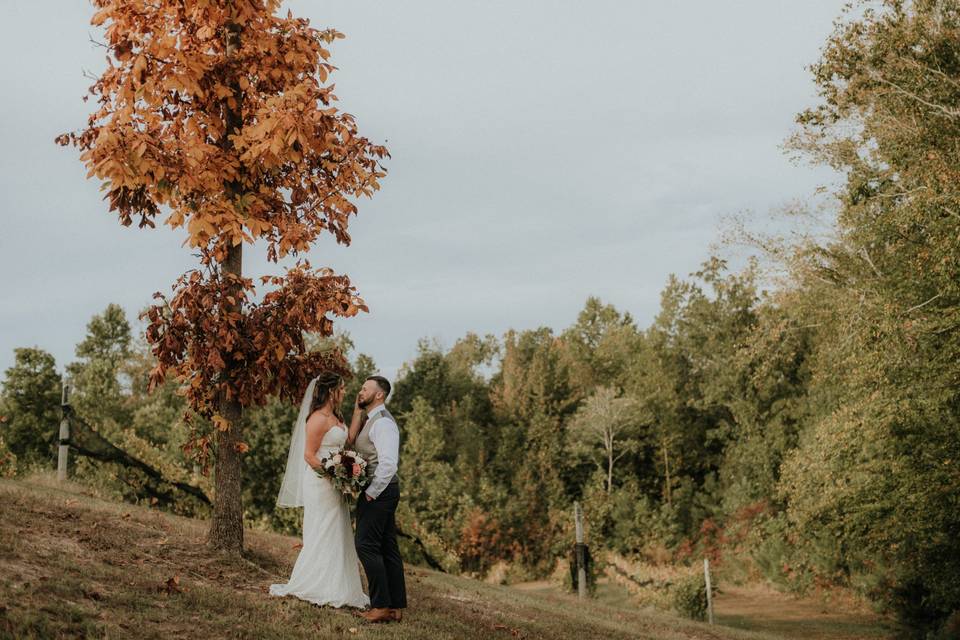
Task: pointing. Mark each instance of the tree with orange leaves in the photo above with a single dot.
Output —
(218, 114)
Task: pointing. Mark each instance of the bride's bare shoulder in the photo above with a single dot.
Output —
(318, 421)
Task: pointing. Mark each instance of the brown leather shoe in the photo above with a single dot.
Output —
(376, 615)
(397, 614)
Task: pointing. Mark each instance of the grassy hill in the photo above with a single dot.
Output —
(77, 566)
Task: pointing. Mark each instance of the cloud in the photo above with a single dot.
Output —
(542, 152)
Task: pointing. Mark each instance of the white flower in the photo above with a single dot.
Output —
(336, 459)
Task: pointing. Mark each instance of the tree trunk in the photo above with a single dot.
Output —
(666, 473)
(609, 470)
(226, 526)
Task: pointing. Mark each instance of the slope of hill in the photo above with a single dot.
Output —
(77, 566)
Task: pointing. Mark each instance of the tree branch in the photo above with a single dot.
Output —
(947, 111)
(921, 305)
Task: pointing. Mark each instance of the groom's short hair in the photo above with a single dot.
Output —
(383, 383)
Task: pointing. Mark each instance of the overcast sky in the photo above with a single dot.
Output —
(542, 152)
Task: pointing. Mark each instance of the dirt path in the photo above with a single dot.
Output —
(759, 608)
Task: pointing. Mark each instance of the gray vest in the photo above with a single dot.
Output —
(365, 446)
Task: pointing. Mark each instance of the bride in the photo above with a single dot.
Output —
(327, 569)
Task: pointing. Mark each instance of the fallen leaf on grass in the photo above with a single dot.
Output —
(353, 629)
(299, 545)
(172, 585)
(503, 627)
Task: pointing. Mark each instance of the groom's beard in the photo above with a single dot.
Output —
(364, 404)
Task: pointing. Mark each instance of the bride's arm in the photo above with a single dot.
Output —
(355, 423)
(317, 427)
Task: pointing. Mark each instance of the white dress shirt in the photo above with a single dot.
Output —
(385, 436)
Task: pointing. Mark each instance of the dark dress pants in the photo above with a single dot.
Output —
(376, 541)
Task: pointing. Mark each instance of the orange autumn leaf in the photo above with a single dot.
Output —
(161, 135)
(219, 422)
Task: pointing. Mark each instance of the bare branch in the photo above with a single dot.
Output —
(947, 111)
(937, 72)
(97, 42)
(866, 256)
(922, 304)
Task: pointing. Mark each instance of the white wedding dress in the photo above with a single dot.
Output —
(327, 571)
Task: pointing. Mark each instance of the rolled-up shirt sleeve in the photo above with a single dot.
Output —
(385, 436)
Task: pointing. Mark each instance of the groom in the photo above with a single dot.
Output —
(376, 538)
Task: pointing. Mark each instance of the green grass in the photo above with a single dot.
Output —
(75, 566)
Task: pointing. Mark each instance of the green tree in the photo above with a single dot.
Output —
(434, 491)
(454, 387)
(99, 388)
(872, 472)
(363, 366)
(602, 344)
(767, 395)
(271, 426)
(31, 406)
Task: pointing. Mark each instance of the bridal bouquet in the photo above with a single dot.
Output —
(346, 469)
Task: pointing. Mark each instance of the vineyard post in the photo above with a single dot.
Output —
(64, 440)
(581, 552)
(706, 576)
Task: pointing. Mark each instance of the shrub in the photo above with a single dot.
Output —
(8, 460)
(688, 596)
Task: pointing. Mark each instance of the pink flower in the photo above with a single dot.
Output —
(356, 470)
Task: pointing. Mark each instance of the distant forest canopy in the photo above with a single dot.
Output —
(812, 433)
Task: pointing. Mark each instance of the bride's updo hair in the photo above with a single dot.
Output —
(327, 383)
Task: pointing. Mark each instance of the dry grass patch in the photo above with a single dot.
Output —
(76, 566)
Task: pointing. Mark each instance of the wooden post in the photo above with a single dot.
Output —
(64, 448)
(581, 552)
(706, 576)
